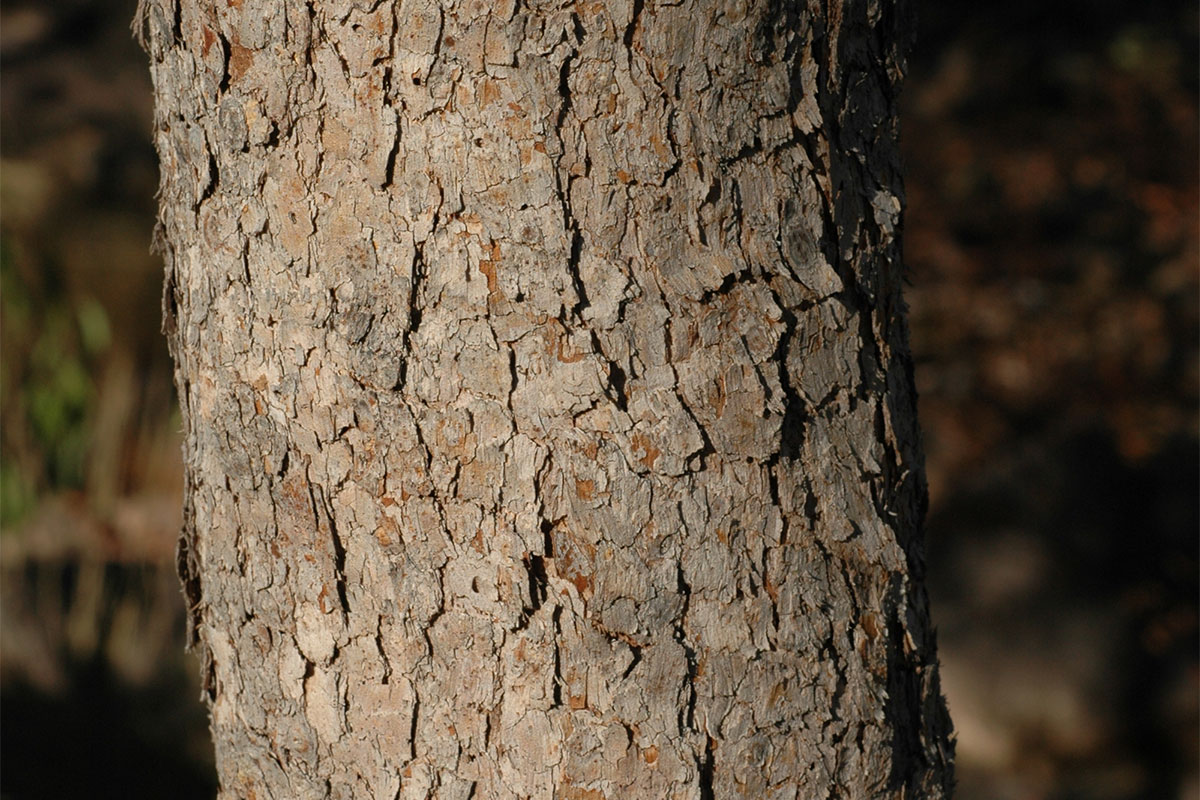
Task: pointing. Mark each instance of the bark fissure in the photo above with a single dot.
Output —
(570, 224)
(707, 767)
(687, 717)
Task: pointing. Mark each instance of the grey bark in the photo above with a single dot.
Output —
(548, 406)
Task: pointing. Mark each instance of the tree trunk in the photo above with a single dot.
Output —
(549, 415)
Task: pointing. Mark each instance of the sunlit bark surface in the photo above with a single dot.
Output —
(548, 408)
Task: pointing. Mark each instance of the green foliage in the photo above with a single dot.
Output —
(16, 494)
(51, 344)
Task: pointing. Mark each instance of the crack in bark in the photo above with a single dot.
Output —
(339, 551)
(535, 569)
(707, 767)
(631, 28)
(747, 151)
(383, 657)
(795, 416)
(389, 165)
(688, 712)
(223, 86)
(744, 275)
(570, 224)
(614, 388)
(635, 651)
(176, 23)
(417, 278)
(710, 199)
(670, 129)
(213, 177)
(557, 678)
(412, 728)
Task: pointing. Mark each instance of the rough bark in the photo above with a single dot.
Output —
(548, 408)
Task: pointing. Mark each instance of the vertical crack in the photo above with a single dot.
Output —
(615, 388)
(412, 727)
(418, 272)
(535, 568)
(685, 591)
(387, 663)
(706, 764)
(636, 652)
(558, 678)
(212, 178)
(223, 86)
(389, 167)
(339, 549)
(631, 28)
(563, 187)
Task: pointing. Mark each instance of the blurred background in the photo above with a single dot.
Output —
(1051, 238)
